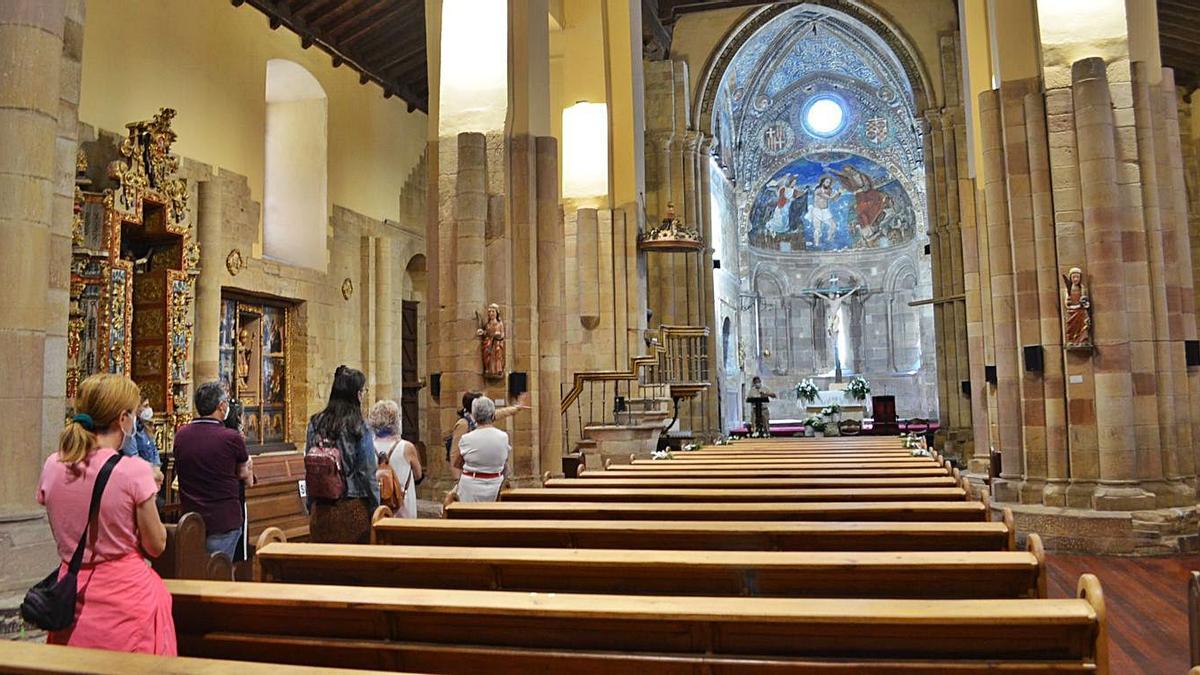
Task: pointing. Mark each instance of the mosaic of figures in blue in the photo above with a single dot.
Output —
(829, 201)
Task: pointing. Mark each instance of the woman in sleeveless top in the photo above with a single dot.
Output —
(121, 604)
(384, 420)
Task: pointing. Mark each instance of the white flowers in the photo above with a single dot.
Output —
(806, 391)
(859, 389)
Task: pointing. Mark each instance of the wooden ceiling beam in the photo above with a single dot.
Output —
(354, 20)
(337, 11)
(368, 27)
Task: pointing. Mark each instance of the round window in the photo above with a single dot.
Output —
(824, 116)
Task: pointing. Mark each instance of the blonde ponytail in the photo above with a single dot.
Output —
(101, 400)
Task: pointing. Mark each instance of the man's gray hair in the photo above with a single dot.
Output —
(483, 409)
(208, 398)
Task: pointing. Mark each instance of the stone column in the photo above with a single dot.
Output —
(1007, 416)
(461, 355)
(588, 261)
(208, 287)
(1052, 461)
(39, 83)
(1103, 236)
(550, 334)
(385, 325)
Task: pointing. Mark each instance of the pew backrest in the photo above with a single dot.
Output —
(958, 511)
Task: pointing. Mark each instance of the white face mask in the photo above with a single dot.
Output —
(147, 414)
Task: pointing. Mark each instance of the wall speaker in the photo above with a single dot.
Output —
(435, 384)
(716, 264)
(989, 374)
(518, 383)
(1192, 349)
(926, 249)
(1034, 358)
(966, 388)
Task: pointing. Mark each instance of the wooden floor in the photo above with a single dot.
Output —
(1146, 600)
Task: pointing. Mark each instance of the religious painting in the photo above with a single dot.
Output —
(831, 202)
(253, 366)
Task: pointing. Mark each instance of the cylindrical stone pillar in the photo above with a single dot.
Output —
(208, 286)
(1106, 273)
(1004, 319)
(550, 334)
(385, 329)
(463, 363)
(587, 235)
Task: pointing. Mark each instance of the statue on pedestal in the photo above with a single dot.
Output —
(491, 334)
(1077, 320)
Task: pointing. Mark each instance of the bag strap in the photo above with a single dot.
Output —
(93, 511)
(392, 450)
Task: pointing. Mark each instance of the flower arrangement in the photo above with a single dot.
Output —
(691, 447)
(831, 410)
(859, 389)
(723, 441)
(806, 391)
(817, 423)
(661, 454)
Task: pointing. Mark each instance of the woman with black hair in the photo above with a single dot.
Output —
(346, 520)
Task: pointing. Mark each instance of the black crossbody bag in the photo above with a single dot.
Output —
(50, 605)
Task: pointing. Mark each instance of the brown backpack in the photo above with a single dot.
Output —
(391, 494)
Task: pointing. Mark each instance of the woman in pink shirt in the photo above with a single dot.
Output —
(121, 604)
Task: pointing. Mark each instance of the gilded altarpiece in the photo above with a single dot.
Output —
(134, 263)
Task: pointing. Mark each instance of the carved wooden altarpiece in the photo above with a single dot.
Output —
(134, 263)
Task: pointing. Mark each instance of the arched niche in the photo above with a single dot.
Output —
(295, 168)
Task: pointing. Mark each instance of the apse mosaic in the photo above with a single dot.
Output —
(831, 202)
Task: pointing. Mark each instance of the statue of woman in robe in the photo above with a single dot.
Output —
(1078, 318)
(492, 347)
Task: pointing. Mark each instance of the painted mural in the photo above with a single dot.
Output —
(831, 201)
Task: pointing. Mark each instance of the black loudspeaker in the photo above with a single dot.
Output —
(435, 384)
(518, 383)
(966, 388)
(1192, 349)
(1034, 358)
(926, 249)
(989, 374)
(716, 264)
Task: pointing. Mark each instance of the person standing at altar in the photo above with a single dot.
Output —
(757, 390)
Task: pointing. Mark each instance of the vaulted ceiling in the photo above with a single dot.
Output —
(384, 40)
(1179, 37)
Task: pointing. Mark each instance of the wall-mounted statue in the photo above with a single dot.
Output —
(491, 334)
(1078, 318)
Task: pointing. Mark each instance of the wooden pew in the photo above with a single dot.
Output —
(676, 495)
(671, 465)
(1193, 609)
(769, 472)
(276, 504)
(504, 632)
(825, 574)
(35, 658)
(698, 535)
(843, 458)
(640, 481)
(953, 511)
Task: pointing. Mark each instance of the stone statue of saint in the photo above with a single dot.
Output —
(492, 348)
(1078, 319)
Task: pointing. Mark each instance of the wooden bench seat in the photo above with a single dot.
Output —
(276, 504)
(36, 658)
(824, 574)
(639, 481)
(768, 472)
(871, 494)
(955, 511)
(799, 454)
(670, 465)
(438, 630)
(848, 460)
(698, 535)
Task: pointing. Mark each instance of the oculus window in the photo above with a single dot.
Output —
(824, 116)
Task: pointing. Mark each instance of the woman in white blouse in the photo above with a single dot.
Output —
(482, 455)
(384, 420)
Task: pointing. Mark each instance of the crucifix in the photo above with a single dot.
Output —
(834, 294)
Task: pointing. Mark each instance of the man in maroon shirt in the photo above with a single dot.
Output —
(211, 460)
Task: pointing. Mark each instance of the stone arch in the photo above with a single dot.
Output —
(901, 45)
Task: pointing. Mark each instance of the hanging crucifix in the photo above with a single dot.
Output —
(834, 294)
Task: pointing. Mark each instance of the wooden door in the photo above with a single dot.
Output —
(410, 377)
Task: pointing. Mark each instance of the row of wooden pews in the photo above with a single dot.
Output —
(738, 559)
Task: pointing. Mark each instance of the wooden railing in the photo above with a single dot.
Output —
(676, 366)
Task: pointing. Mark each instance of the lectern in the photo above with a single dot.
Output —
(758, 424)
